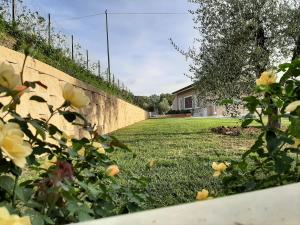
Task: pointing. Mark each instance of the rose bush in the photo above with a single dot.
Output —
(274, 158)
(67, 179)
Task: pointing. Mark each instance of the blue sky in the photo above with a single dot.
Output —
(141, 54)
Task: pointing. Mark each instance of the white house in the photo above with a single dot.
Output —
(186, 99)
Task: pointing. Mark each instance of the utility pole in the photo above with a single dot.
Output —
(99, 69)
(107, 43)
(87, 59)
(72, 48)
(49, 29)
(13, 13)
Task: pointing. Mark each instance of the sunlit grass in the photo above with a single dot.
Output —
(183, 150)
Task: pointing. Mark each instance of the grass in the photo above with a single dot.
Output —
(183, 150)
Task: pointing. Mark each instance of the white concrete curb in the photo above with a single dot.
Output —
(274, 206)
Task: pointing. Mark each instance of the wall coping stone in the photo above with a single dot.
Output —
(273, 206)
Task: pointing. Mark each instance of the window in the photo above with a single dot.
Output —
(188, 102)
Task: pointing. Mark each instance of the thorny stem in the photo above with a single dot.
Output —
(47, 122)
(14, 192)
(260, 118)
(22, 71)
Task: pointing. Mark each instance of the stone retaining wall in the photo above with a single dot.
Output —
(109, 113)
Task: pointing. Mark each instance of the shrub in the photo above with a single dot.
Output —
(274, 158)
(179, 111)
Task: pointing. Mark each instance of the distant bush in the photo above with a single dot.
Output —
(184, 111)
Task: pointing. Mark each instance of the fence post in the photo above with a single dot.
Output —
(99, 69)
(87, 59)
(72, 48)
(49, 29)
(107, 45)
(13, 13)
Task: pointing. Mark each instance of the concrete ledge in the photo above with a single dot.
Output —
(274, 206)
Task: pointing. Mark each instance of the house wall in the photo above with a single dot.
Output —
(178, 102)
(108, 113)
(209, 110)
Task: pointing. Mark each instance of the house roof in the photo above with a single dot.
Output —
(191, 86)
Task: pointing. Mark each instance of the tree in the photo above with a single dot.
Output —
(238, 40)
(143, 102)
(168, 96)
(154, 101)
(163, 106)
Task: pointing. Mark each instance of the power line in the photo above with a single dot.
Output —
(126, 13)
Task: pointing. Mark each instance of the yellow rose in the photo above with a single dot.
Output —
(219, 168)
(7, 219)
(81, 152)
(296, 144)
(202, 195)
(292, 106)
(12, 144)
(268, 77)
(47, 163)
(151, 163)
(8, 76)
(112, 170)
(99, 147)
(75, 96)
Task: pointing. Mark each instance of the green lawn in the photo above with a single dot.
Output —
(183, 150)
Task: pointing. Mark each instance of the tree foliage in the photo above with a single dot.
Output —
(164, 106)
(237, 41)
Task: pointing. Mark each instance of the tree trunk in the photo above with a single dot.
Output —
(296, 51)
(273, 120)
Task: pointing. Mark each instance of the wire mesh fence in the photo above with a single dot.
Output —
(48, 30)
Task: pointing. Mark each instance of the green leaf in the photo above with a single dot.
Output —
(39, 126)
(283, 163)
(259, 142)
(246, 122)
(69, 116)
(24, 194)
(294, 128)
(36, 217)
(273, 142)
(289, 87)
(251, 103)
(116, 143)
(283, 67)
(53, 129)
(226, 101)
(81, 210)
(37, 98)
(7, 183)
(32, 84)
(84, 216)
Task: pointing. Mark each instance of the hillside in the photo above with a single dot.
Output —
(14, 37)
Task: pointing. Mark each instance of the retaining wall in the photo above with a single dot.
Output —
(107, 112)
